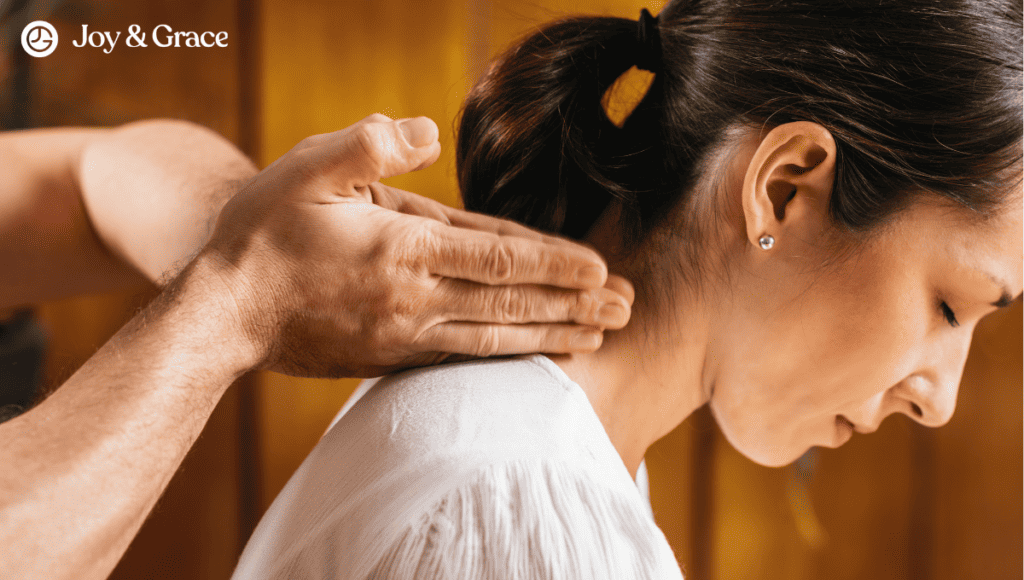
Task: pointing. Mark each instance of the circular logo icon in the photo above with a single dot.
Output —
(39, 38)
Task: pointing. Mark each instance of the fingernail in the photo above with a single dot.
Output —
(590, 276)
(587, 340)
(611, 314)
(417, 132)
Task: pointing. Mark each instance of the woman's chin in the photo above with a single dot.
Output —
(753, 442)
(762, 451)
(772, 457)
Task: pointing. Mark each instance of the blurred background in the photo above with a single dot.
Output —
(906, 503)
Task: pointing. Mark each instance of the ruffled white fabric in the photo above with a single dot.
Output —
(493, 469)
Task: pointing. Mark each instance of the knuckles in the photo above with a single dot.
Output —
(371, 141)
(396, 314)
(417, 250)
(511, 305)
(584, 306)
(498, 264)
(490, 343)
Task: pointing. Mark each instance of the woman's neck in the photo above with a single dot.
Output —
(643, 386)
(648, 377)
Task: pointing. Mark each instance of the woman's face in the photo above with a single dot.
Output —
(807, 354)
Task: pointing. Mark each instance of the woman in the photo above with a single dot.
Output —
(816, 203)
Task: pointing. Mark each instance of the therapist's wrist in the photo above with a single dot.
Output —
(216, 319)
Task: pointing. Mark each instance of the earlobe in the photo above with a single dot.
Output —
(788, 181)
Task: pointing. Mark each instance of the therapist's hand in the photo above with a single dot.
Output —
(333, 274)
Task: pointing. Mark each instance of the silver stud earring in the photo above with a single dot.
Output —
(766, 242)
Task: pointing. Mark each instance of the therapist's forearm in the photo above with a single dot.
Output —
(81, 471)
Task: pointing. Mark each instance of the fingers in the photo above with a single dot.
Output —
(485, 223)
(472, 302)
(489, 339)
(373, 149)
(490, 258)
(502, 227)
(622, 287)
(408, 203)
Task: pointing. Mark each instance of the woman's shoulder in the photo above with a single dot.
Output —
(494, 407)
(526, 380)
(499, 439)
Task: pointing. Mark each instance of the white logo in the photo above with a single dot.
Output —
(39, 38)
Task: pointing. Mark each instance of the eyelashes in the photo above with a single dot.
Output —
(950, 316)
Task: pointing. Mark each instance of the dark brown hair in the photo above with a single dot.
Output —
(923, 97)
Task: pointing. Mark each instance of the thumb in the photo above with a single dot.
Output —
(378, 147)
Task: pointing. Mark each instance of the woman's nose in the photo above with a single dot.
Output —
(927, 401)
(929, 395)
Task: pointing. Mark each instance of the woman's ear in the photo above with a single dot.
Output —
(789, 182)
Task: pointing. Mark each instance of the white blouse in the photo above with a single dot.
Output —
(494, 469)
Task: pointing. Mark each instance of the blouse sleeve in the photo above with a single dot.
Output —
(536, 520)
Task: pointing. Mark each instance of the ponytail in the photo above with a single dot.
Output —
(534, 141)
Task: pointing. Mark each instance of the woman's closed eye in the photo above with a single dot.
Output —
(949, 314)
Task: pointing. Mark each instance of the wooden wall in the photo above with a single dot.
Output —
(906, 503)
